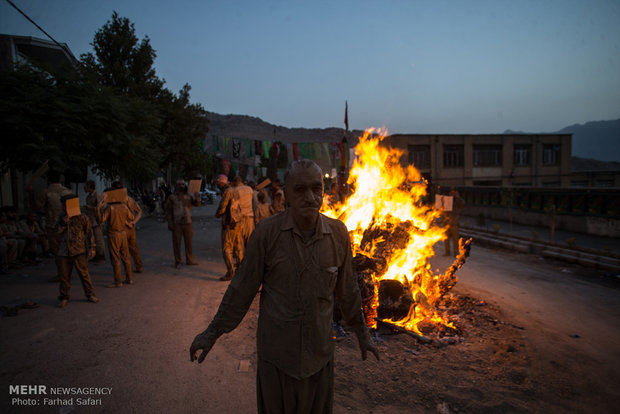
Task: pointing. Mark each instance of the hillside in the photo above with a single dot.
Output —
(244, 126)
(599, 140)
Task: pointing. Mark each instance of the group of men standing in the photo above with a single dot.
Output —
(75, 238)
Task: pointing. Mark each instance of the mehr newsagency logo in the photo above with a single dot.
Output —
(43, 395)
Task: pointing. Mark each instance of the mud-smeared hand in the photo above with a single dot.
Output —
(204, 342)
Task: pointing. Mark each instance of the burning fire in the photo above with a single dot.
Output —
(389, 199)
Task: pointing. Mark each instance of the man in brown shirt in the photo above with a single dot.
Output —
(77, 243)
(452, 224)
(50, 201)
(93, 199)
(179, 216)
(300, 259)
(132, 240)
(117, 215)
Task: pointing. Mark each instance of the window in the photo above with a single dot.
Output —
(420, 156)
(522, 155)
(487, 155)
(452, 156)
(551, 154)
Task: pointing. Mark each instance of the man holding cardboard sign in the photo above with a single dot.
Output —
(77, 244)
(116, 214)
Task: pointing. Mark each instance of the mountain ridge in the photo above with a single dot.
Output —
(594, 140)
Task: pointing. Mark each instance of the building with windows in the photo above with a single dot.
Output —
(499, 160)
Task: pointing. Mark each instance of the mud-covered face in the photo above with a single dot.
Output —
(304, 193)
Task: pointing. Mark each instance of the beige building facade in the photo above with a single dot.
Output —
(498, 160)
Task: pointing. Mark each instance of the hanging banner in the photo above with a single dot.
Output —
(289, 152)
(236, 148)
(266, 148)
(248, 148)
(325, 147)
(295, 151)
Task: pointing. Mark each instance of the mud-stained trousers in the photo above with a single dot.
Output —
(277, 392)
(453, 238)
(119, 253)
(132, 244)
(54, 241)
(246, 229)
(99, 243)
(185, 232)
(80, 262)
(232, 247)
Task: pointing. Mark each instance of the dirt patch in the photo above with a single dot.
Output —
(487, 367)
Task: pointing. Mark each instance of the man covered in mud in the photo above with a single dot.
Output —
(300, 260)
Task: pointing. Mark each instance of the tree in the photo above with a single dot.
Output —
(124, 63)
(185, 126)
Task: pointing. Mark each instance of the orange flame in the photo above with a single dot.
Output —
(386, 196)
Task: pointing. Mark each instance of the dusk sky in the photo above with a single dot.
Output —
(411, 66)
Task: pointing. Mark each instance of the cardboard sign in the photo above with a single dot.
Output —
(73, 207)
(444, 202)
(115, 196)
(262, 185)
(194, 186)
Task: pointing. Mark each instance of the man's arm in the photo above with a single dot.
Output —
(136, 210)
(221, 208)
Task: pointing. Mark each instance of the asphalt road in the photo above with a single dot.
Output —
(131, 350)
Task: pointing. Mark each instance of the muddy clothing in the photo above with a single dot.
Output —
(92, 202)
(451, 222)
(10, 230)
(38, 235)
(76, 239)
(277, 201)
(117, 215)
(232, 245)
(132, 241)
(262, 212)
(314, 395)
(245, 194)
(8, 253)
(179, 208)
(299, 279)
(179, 216)
(50, 201)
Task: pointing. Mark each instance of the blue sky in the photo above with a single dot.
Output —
(411, 66)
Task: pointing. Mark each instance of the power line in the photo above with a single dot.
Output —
(33, 22)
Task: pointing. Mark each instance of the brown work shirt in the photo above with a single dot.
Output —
(117, 215)
(76, 236)
(179, 208)
(50, 200)
(223, 209)
(299, 279)
(92, 203)
(135, 209)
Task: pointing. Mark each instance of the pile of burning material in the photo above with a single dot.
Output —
(393, 232)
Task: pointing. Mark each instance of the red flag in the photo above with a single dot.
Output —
(295, 151)
(346, 115)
